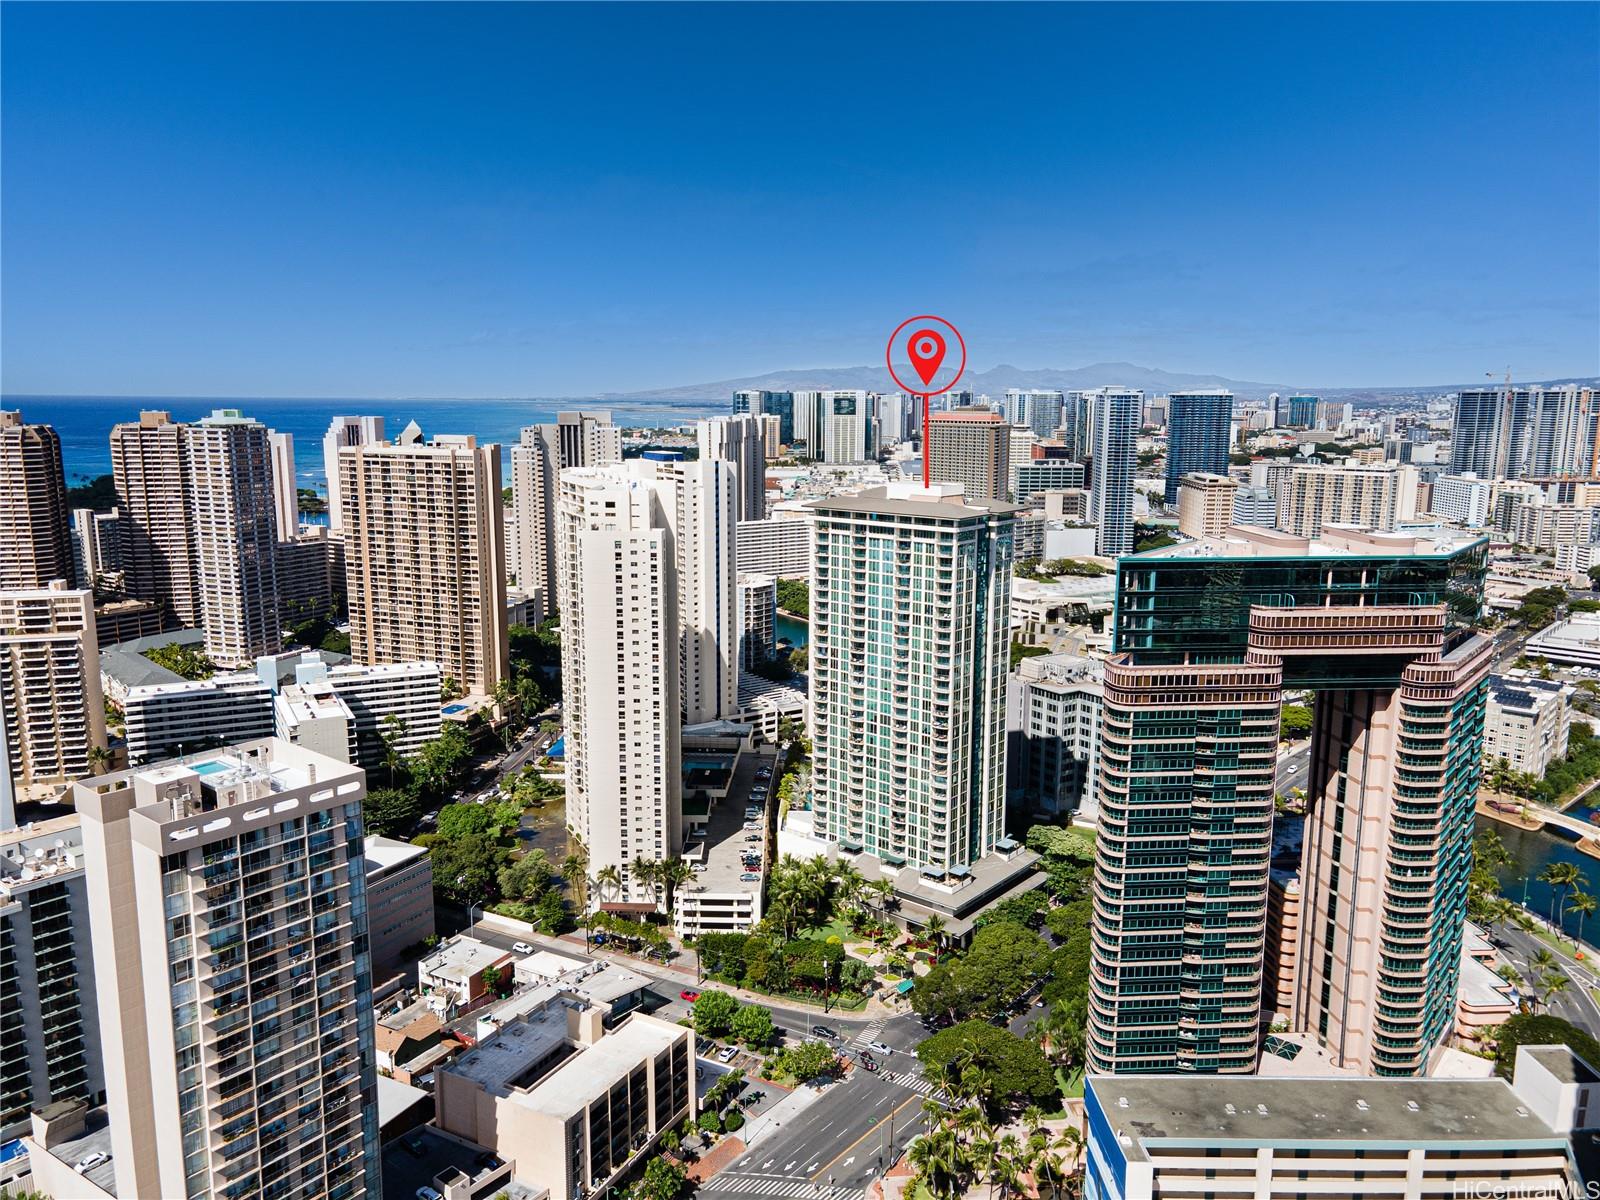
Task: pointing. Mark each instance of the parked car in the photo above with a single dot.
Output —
(754, 837)
(91, 1162)
(725, 1055)
(882, 1048)
(427, 1193)
(749, 877)
(688, 995)
(521, 948)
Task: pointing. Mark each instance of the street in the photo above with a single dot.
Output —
(835, 1147)
(1291, 772)
(1577, 1003)
(832, 1149)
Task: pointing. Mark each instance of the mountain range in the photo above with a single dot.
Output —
(994, 381)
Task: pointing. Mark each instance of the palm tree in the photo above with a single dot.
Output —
(985, 1154)
(646, 871)
(574, 869)
(934, 928)
(1584, 905)
(1561, 876)
(883, 893)
(1555, 982)
(847, 881)
(608, 879)
(940, 1163)
(1047, 1163)
(1010, 1166)
(672, 874)
(1509, 973)
(99, 759)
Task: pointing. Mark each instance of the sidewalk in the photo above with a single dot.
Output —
(680, 976)
(792, 1105)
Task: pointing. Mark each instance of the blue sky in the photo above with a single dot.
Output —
(499, 200)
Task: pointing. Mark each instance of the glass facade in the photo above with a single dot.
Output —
(1187, 780)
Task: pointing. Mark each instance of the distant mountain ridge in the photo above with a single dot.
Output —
(1151, 380)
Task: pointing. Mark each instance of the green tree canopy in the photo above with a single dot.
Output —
(807, 1060)
(464, 820)
(991, 1063)
(794, 596)
(390, 812)
(663, 1179)
(714, 1012)
(753, 1026)
(1296, 721)
(1543, 1030)
(466, 869)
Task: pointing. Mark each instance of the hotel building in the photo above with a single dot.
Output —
(1208, 636)
(199, 527)
(342, 432)
(620, 667)
(910, 610)
(425, 556)
(1373, 497)
(971, 447)
(35, 539)
(1205, 504)
(758, 618)
(54, 714)
(740, 442)
(228, 914)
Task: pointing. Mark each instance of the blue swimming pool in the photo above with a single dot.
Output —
(451, 710)
(696, 762)
(208, 768)
(558, 748)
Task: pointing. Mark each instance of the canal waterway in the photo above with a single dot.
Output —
(1531, 852)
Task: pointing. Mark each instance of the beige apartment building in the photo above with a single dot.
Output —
(55, 723)
(620, 671)
(233, 521)
(739, 441)
(577, 439)
(1372, 497)
(425, 556)
(972, 448)
(35, 537)
(568, 1104)
(1205, 504)
(157, 555)
(1527, 721)
(228, 916)
(199, 527)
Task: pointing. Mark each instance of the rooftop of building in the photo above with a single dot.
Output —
(39, 850)
(1562, 1063)
(460, 959)
(1186, 1110)
(502, 1061)
(1062, 668)
(385, 854)
(125, 663)
(599, 982)
(978, 416)
(590, 1073)
(756, 690)
(312, 702)
(1516, 689)
(1336, 541)
(946, 501)
(95, 1139)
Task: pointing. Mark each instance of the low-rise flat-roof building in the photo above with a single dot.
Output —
(1269, 1138)
(1573, 642)
(455, 969)
(569, 1105)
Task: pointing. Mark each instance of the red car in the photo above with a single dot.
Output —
(691, 997)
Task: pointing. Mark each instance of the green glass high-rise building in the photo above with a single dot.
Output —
(1208, 636)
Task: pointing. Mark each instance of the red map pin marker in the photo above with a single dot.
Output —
(927, 352)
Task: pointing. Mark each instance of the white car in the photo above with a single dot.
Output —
(91, 1162)
(881, 1048)
(521, 948)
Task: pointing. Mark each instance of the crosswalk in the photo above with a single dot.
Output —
(909, 1079)
(779, 1187)
(871, 1032)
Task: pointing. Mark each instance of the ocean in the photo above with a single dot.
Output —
(84, 422)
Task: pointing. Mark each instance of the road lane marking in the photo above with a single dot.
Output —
(878, 1125)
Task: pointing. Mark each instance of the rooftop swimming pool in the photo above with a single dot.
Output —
(210, 767)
